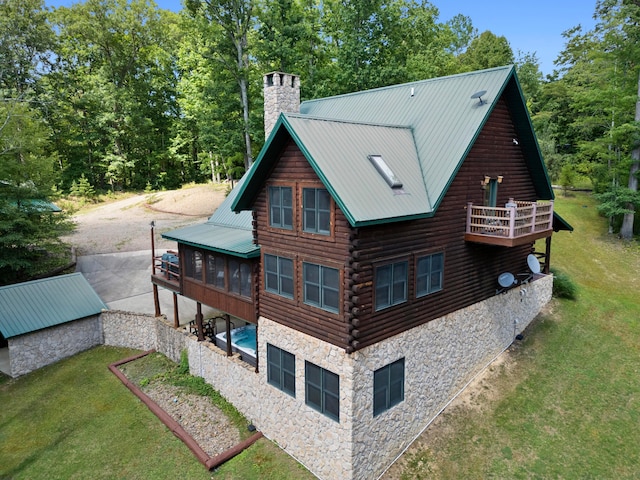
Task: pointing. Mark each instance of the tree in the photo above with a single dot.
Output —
(229, 46)
(487, 51)
(114, 91)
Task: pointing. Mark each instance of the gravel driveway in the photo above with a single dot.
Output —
(113, 243)
(124, 225)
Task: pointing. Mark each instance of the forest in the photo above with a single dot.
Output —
(116, 95)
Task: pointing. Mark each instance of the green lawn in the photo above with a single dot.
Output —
(569, 403)
(76, 420)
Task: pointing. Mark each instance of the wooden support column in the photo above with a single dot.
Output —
(156, 300)
(199, 322)
(547, 256)
(176, 320)
(227, 319)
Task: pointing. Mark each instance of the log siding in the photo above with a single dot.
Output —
(470, 270)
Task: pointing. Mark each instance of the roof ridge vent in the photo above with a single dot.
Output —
(385, 171)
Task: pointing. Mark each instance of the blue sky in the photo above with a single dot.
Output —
(529, 26)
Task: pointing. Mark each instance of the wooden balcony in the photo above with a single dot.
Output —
(515, 224)
(166, 271)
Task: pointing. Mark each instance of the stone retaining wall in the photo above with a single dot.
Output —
(37, 349)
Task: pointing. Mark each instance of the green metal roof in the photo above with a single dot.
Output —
(440, 114)
(31, 306)
(225, 231)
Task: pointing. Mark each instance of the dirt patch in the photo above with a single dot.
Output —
(124, 225)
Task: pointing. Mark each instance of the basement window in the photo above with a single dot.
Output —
(385, 171)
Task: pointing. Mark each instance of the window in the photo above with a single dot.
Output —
(429, 273)
(215, 271)
(278, 275)
(316, 207)
(281, 207)
(322, 390)
(281, 369)
(240, 278)
(321, 286)
(388, 386)
(193, 264)
(391, 284)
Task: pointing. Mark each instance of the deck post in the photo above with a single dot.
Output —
(469, 208)
(156, 300)
(547, 255)
(534, 214)
(512, 221)
(227, 319)
(199, 322)
(176, 320)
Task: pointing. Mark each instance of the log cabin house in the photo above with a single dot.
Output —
(367, 245)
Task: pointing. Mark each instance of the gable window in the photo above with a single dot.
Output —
(316, 208)
(322, 390)
(321, 286)
(391, 284)
(278, 275)
(388, 386)
(240, 278)
(215, 270)
(281, 369)
(281, 207)
(429, 273)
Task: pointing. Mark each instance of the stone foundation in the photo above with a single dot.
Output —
(35, 350)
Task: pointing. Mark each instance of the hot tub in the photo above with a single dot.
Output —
(243, 341)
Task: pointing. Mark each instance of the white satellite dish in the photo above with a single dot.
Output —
(533, 263)
(506, 280)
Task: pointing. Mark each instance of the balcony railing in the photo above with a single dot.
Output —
(166, 269)
(514, 224)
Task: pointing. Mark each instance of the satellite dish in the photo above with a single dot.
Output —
(506, 280)
(479, 95)
(533, 263)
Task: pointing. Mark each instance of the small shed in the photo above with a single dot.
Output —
(46, 320)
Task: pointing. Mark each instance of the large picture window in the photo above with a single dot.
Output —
(388, 386)
(278, 275)
(429, 274)
(322, 390)
(321, 286)
(281, 369)
(316, 207)
(281, 207)
(391, 284)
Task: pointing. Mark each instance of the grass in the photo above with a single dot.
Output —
(75, 420)
(570, 406)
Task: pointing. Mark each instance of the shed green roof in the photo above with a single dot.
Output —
(225, 232)
(39, 304)
(338, 133)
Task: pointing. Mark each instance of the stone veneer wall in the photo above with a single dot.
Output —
(441, 357)
(35, 350)
(144, 332)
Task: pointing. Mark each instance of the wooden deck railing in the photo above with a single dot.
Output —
(516, 220)
(167, 266)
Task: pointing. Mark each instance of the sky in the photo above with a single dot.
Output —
(529, 26)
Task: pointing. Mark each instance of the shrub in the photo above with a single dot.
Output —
(563, 286)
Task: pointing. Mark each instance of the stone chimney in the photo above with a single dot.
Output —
(281, 94)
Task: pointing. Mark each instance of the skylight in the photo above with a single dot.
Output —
(386, 172)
